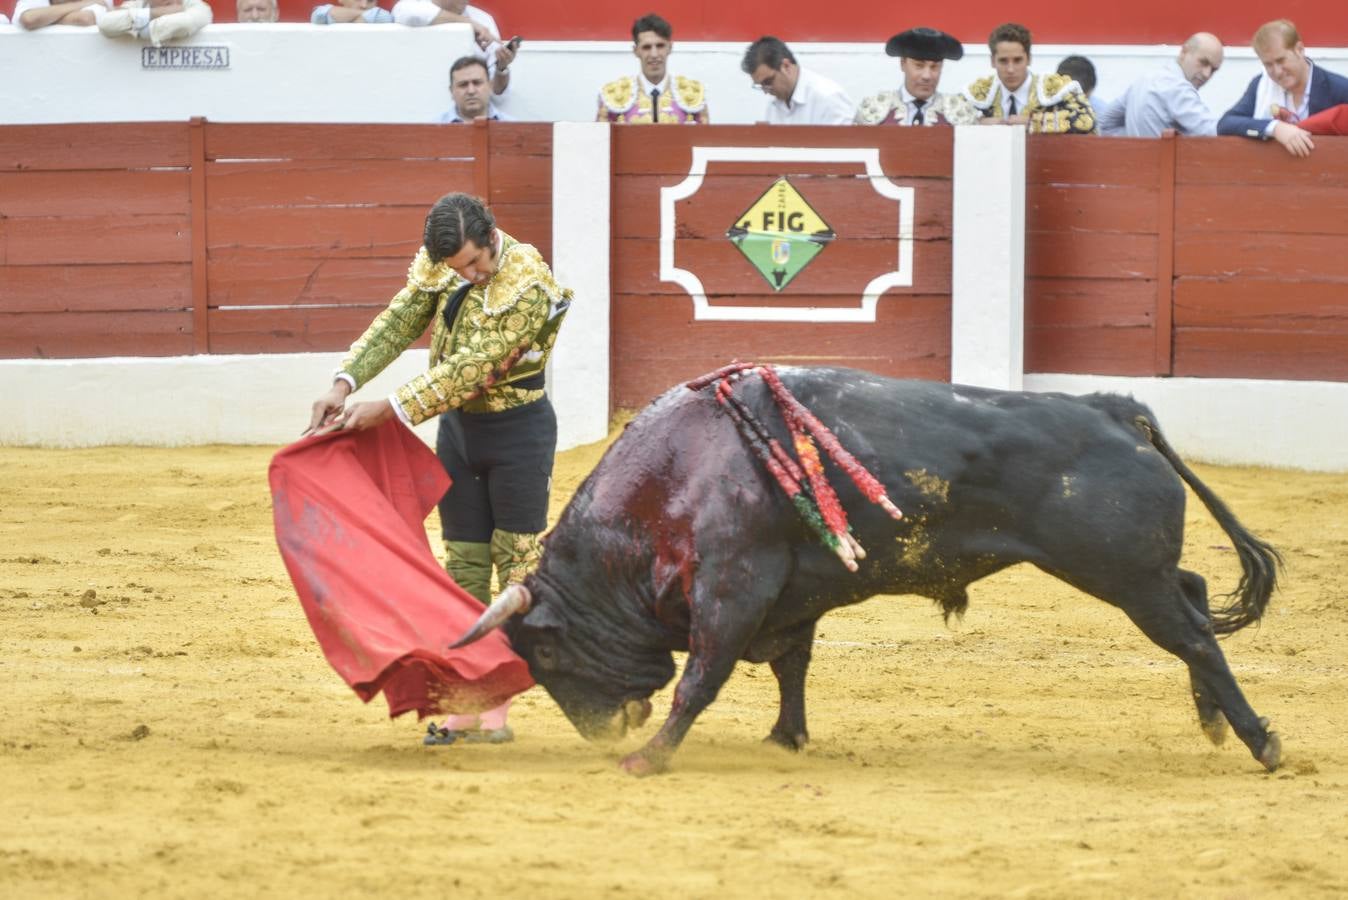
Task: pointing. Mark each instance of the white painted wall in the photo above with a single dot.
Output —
(176, 401)
(277, 73)
(265, 399)
(389, 73)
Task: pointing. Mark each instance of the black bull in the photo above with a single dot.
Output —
(681, 540)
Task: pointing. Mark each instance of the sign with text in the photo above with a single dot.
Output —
(834, 203)
(187, 57)
(780, 233)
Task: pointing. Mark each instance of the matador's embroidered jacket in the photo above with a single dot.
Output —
(1057, 104)
(888, 108)
(517, 309)
(683, 101)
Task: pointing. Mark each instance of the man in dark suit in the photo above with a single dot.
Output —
(1291, 89)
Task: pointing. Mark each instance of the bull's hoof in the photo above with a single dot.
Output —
(640, 765)
(1215, 729)
(636, 712)
(1271, 755)
(793, 742)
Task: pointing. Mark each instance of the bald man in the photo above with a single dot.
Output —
(1168, 98)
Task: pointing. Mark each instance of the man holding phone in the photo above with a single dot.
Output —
(498, 55)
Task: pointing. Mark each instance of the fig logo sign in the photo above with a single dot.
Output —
(780, 234)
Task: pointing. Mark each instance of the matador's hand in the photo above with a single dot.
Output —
(360, 416)
(328, 407)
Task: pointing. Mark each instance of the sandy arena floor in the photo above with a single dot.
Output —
(168, 727)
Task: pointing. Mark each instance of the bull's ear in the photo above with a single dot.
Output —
(542, 616)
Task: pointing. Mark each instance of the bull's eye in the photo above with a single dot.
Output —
(546, 659)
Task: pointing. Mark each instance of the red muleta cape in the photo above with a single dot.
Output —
(350, 509)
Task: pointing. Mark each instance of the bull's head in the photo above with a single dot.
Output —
(592, 680)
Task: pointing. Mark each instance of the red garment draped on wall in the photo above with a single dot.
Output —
(1330, 121)
(350, 509)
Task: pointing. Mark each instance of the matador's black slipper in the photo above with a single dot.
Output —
(437, 735)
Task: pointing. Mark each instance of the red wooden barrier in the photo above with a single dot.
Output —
(1092, 255)
(95, 240)
(1200, 257)
(656, 340)
(174, 238)
(1261, 287)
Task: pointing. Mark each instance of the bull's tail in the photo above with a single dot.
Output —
(1259, 561)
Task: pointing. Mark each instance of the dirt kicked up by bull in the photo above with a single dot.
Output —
(685, 537)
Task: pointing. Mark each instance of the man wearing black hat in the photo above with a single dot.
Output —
(921, 52)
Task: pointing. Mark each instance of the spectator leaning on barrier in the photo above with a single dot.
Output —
(1168, 98)
(799, 96)
(252, 11)
(471, 93)
(34, 14)
(1291, 89)
(653, 95)
(156, 21)
(498, 55)
(1014, 95)
(344, 11)
(921, 52)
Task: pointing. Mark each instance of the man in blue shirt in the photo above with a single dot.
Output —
(471, 90)
(1168, 98)
(1291, 89)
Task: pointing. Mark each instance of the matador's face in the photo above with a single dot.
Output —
(474, 263)
(653, 51)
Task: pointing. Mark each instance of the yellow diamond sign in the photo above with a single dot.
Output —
(780, 234)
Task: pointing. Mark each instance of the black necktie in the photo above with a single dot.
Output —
(917, 116)
(1011, 106)
(655, 105)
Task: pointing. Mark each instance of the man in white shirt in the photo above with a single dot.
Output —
(799, 96)
(1168, 98)
(498, 55)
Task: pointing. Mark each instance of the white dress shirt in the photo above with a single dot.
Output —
(1022, 95)
(815, 101)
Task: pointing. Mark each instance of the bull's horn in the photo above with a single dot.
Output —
(513, 600)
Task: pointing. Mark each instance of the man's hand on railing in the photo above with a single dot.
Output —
(1297, 141)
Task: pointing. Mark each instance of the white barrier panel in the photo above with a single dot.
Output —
(177, 401)
(389, 73)
(578, 371)
(987, 278)
(190, 400)
(231, 73)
